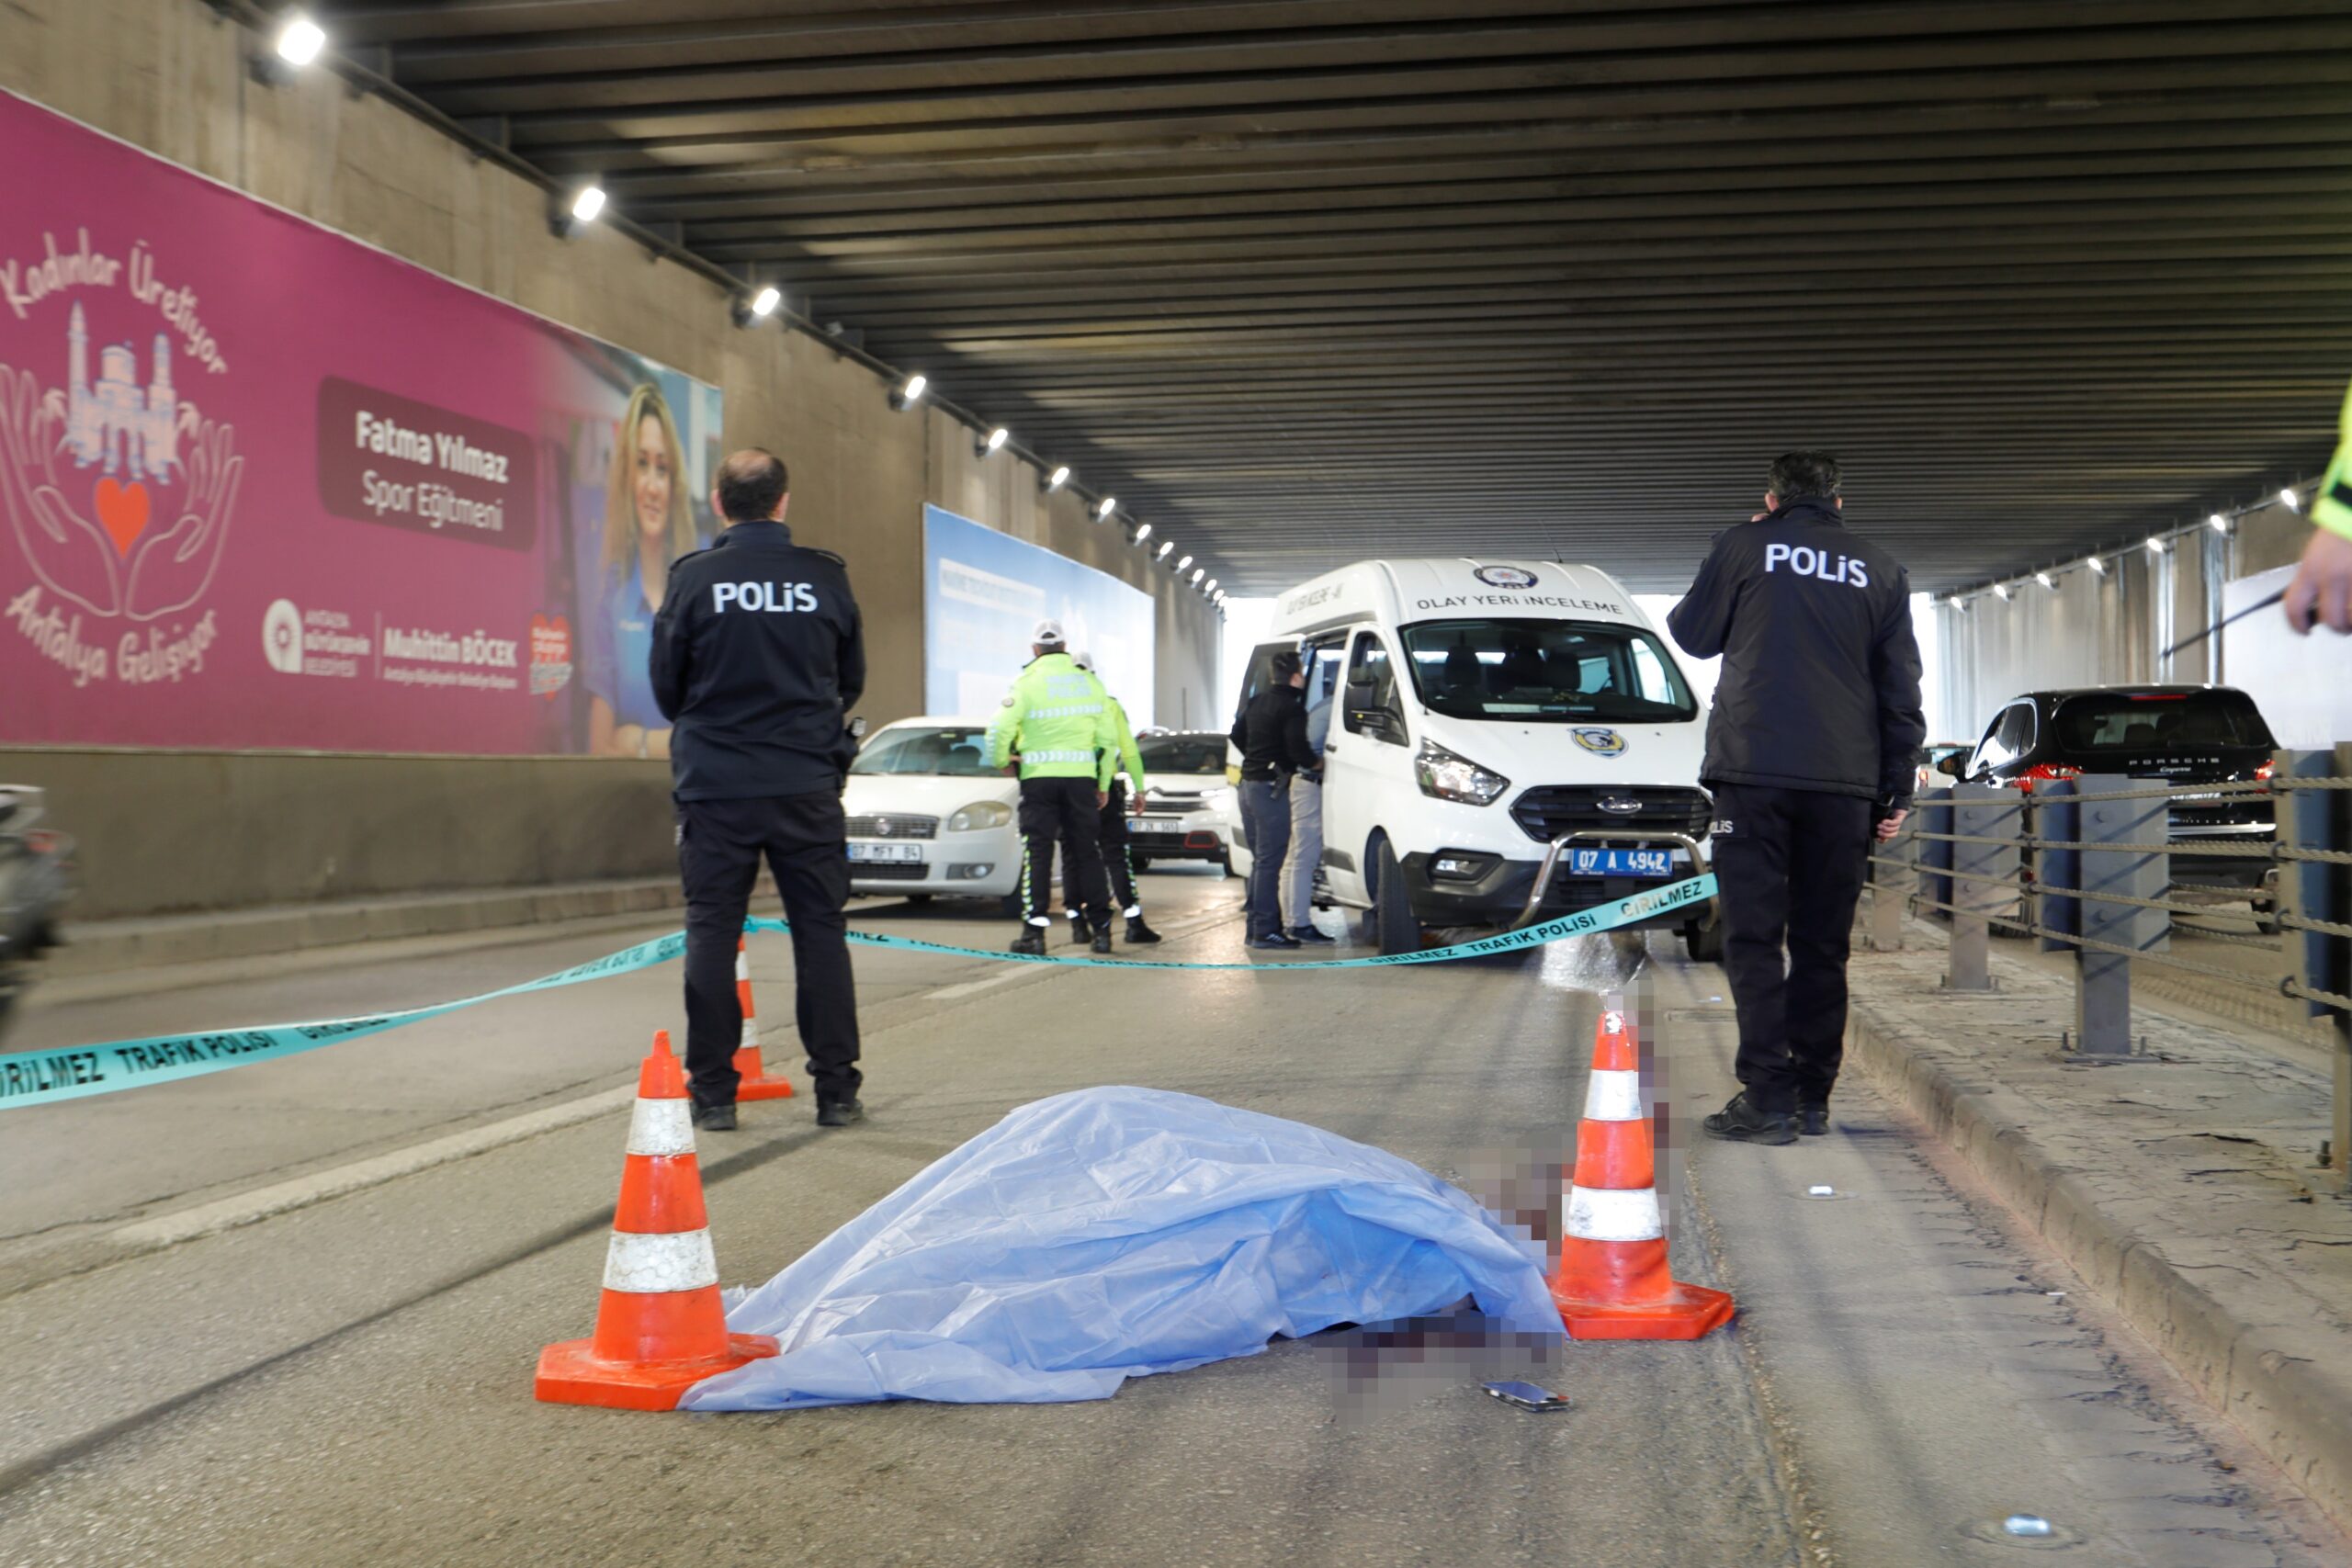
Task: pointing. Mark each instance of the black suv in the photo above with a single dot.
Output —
(2189, 735)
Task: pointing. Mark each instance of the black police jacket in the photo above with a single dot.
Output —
(1820, 684)
(758, 655)
(1272, 733)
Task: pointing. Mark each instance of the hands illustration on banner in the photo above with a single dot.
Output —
(173, 568)
(69, 553)
(112, 563)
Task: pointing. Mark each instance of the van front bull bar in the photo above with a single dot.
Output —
(1699, 865)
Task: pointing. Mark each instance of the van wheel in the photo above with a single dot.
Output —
(1224, 863)
(1703, 942)
(1392, 924)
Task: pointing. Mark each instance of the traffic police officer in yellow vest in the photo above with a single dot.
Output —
(1057, 719)
(2321, 593)
(1121, 782)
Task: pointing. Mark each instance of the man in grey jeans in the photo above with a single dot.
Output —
(1307, 825)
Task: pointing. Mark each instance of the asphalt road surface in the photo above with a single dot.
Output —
(287, 1313)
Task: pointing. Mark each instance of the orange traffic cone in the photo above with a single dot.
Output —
(1612, 1280)
(755, 1084)
(658, 1329)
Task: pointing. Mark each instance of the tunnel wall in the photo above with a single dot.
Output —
(170, 76)
(2093, 630)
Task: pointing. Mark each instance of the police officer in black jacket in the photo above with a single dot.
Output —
(757, 656)
(1272, 734)
(1811, 754)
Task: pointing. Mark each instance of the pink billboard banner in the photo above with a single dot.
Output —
(265, 487)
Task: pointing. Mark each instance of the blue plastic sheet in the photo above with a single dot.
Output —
(1111, 1233)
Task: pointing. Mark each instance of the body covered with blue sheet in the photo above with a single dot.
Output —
(1113, 1232)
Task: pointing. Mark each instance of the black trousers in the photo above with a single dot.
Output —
(1111, 838)
(804, 842)
(1061, 810)
(1789, 867)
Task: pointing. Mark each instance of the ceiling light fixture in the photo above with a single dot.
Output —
(1166, 546)
(1104, 507)
(910, 393)
(1196, 575)
(1182, 564)
(760, 306)
(581, 208)
(1143, 532)
(2098, 567)
(988, 445)
(2219, 523)
(2156, 546)
(299, 39)
(1055, 480)
(2001, 591)
(2288, 499)
(2044, 579)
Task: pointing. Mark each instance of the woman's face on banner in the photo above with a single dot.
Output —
(650, 463)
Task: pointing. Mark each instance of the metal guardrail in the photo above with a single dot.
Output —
(2085, 865)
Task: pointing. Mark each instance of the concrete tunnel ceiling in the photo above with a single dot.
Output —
(1304, 282)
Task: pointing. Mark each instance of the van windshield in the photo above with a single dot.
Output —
(1545, 671)
(1181, 754)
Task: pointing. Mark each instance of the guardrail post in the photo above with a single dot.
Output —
(1894, 876)
(2312, 890)
(2103, 980)
(1980, 811)
(1931, 864)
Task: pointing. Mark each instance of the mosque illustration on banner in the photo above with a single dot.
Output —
(111, 419)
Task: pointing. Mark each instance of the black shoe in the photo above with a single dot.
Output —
(1080, 930)
(1742, 1123)
(839, 1112)
(714, 1118)
(1309, 934)
(1283, 940)
(1102, 943)
(1139, 935)
(1031, 941)
(1812, 1117)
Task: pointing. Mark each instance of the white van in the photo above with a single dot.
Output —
(1513, 742)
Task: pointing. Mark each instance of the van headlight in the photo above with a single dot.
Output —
(1215, 799)
(1450, 777)
(980, 814)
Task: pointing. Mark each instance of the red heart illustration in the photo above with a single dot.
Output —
(122, 512)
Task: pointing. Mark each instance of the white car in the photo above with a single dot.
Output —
(1191, 811)
(927, 816)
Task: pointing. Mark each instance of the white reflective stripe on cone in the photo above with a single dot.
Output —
(653, 1265)
(662, 1127)
(1596, 1213)
(751, 1033)
(1613, 1094)
(742, 962)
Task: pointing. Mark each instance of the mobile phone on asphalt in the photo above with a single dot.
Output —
(1526, 1396)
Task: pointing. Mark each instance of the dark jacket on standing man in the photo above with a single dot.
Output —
(1820, 684)
(1272, 734)
(758, 655)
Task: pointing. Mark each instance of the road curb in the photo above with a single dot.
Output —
(2295, 1407)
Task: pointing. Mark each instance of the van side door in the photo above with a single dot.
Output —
(1366, 761)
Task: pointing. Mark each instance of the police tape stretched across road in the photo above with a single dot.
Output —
(43, 1077)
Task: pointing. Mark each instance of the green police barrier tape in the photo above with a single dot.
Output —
(43, 1077)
